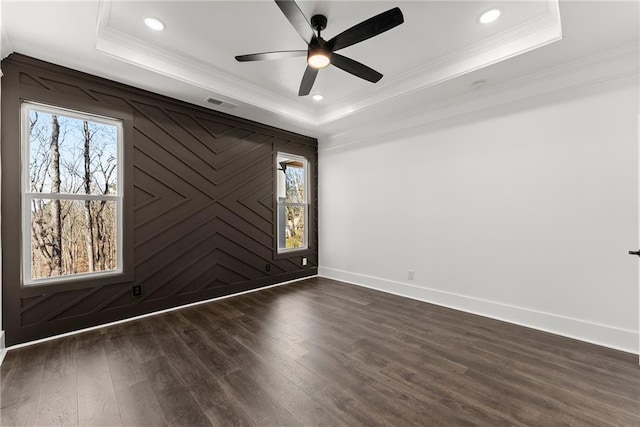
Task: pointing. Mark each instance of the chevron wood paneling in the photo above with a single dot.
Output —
(203, 204)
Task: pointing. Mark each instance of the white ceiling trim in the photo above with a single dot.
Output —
(610, 65)
(213, 81)
(529, 35)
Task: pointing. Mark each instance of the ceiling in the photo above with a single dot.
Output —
(439, 51)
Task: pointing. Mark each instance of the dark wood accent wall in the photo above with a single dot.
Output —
(200, 216)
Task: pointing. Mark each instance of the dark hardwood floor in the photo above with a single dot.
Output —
(319, 352)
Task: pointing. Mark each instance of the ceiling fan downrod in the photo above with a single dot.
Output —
(319, 23)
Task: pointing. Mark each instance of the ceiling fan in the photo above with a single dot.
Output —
(321, 53)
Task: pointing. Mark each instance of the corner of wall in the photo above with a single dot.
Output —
(3, 350)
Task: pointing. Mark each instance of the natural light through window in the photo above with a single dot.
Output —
(292, 202)
(72, 198)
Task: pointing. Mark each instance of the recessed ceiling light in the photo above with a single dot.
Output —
(154, 24)
(317, 97)
(489, 16)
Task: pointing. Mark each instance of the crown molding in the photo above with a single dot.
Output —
(610, 65)
(214, 81)
(536, 32)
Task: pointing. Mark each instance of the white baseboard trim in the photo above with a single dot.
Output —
(3, 349)
(142, 316)
(607, 336)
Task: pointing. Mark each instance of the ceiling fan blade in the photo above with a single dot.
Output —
(367, 29)
(308, 79)
(355, 68)
(271, 55)
(295, 16)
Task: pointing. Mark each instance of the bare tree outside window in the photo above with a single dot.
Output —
(292, 202)
(71, 197)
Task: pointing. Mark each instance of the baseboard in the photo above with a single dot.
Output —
(607, 336)
(154, 313)
(3, 349)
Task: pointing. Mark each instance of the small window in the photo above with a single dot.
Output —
(72, 195)
(293, 209)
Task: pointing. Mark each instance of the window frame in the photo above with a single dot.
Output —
(306, 204)
(27, 196)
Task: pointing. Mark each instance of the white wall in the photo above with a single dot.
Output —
(523, 212)
(2, 344)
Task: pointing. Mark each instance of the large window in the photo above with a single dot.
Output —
(292, 202)
(72, 195)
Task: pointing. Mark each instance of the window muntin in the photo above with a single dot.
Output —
(72, 195)
(293, 204)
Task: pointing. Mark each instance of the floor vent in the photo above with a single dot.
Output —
(220, 103)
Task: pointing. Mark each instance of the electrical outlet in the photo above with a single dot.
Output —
(411, 274)
(136, 291)
(267, 267)
(304, 261)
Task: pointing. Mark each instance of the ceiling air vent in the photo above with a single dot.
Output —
(220, 103)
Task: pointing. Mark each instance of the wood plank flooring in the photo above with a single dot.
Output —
(319, 352)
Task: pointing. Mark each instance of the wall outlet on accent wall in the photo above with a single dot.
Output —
(411, 274)
(304, 261)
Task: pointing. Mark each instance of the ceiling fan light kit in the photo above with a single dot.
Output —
(318, 55)
(318, 58)
(321, 53)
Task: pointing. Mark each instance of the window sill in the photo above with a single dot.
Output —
(80, 281)
(291, 253)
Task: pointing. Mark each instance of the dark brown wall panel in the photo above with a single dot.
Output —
(201, 206)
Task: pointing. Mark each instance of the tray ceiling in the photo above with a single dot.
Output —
(438, 41)
(440, 46)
